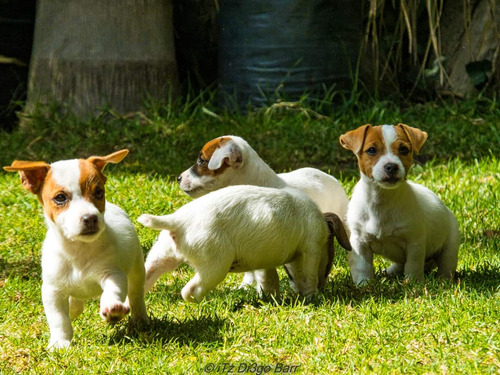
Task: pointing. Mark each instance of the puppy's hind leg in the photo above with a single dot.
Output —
(248, 280)
(206, 278)
(267, 281)
(161, 258)
(304, 270)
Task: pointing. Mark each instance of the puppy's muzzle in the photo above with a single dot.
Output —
(90, 224)
(179, 178)
(392, 172)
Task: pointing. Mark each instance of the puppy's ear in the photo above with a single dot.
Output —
(32, 173)
(101, 161)
(416, 136)
(354, 139)
(229, 153)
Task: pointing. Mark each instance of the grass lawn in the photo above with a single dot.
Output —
(388, 326)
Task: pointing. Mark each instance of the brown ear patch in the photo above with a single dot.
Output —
(201, 167)
(353, 140)
(416, 136)
(101, 161)
(32, 173)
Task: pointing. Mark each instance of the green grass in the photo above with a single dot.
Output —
(389, 326)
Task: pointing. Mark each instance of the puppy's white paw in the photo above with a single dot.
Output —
(146, 220)
(58, 344)
(113, 312)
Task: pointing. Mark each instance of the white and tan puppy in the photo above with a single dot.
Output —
(230, 160)
(91, 247)
(388, 215)
(244, 228)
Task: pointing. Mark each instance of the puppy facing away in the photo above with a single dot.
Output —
(91, 247)
(244, 228)
(391, 216)
(230, 160)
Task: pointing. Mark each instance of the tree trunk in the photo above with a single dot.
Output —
(93, 54)
(469, 35)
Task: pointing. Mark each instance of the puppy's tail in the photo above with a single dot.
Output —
(337, 230)
(157, 222)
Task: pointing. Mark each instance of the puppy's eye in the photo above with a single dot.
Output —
(372, 151)
(99, 193)
(403, 150)
(201, 162)
(61, 199)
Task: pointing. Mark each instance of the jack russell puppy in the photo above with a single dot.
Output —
(244, 228)
(91, 247)
(390, 216)
(230, 160)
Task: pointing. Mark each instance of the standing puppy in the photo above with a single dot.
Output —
(230, 160)
(91, 247)
(244, 228)
(388, 215)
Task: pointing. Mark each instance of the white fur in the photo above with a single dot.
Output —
(378, 173)
(75, 268)
(323, 189)
(245, 228)
(407, 224)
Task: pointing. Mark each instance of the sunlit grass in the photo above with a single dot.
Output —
(389, 326)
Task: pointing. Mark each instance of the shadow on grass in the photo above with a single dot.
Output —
(485, 279)
(26, 269)
(203, 329)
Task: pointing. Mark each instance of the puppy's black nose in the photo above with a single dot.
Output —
(89, 223)
(391, 168)
(179, 178)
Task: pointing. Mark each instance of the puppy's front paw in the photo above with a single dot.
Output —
(113, 312)
(146, 220)
(55, 344)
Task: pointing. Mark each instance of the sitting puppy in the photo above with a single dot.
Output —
(229, 160)
(244, 228)
(91, 247)
(388, 215)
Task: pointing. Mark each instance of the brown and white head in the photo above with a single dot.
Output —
(71, 192)
(219, 165)
(384, 152)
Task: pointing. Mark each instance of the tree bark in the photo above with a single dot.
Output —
(469, 35)
(93, 54)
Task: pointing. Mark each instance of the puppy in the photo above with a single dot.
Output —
(244, 228)
(388, 215)
(91, 247)
(229, 160)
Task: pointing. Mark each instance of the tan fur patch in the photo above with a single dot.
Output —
(373, 139)
(206, 153)
(92, 184)
(50, 190)
(402, 148)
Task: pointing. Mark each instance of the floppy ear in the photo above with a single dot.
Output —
(101, 161)
(416, 136)
(354, 139)
(32, 173)
(229, 152)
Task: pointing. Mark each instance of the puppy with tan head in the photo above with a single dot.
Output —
(229, 160)
(91, 247)
(391, 216)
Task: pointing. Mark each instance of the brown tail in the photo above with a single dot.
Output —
(336, 229)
